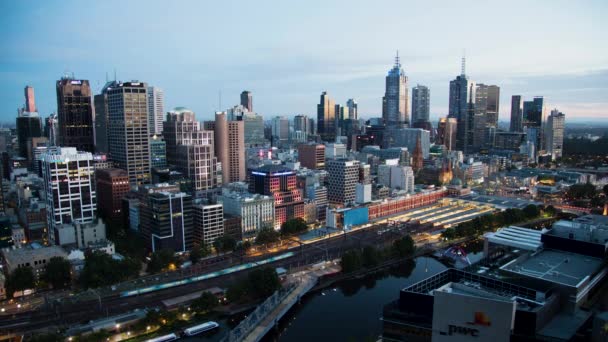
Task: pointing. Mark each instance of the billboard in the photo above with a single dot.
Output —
(355, 217)
(461, 316)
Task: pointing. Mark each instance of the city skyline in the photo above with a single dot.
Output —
(566, 66)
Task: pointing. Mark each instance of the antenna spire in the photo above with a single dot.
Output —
(397, 63)
(464, 62)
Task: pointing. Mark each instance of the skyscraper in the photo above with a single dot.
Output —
(343, 175)
(75, 114)
(516, 114)
(280, 129)
(312, 156)
(351, 106)
(178, 129)
(197, 160)
(70, 192)
(128, 137)
(326, 118)
(461, 107)
(532, 121)
(156, 110)
(247, 100)
(302, 123)
(554, 134)
(417, 158)
(395, 101)
(485, 119)
(112, 185)
(30, 102)
(421, 102)
(28, 126)
(229, 147)
(158, 152)
(100, 102)
(446, 133)
(50, 129)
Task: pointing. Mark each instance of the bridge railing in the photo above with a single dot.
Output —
(253, 320)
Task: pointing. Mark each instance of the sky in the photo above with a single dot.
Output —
(288, 52)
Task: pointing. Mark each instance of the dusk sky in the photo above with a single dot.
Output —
(288, 52)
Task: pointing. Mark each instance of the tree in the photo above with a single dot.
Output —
(404, 247)
(236, 292)
(159, 317)
(370, 256)
(205, 303)
(21, 279)
(449, 234)
(531, 211)
(101, 269)
(550, 210)
(605, 189)
(195, 253)
(57, 272)
(351, 261)
(293, 226)
(242, 247)
(224, 244)
(161, 260)
(263, 282)
(266, 236)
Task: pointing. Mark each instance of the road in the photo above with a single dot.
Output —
(64, 314)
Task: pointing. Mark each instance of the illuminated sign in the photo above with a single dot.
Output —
(454, 329)
(76, 82)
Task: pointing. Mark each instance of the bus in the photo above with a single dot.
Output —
(165, 338)
(197, 329)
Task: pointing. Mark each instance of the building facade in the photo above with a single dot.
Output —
(326, 118)
(343, 176)
(254, 210)
(421, 103)
(312, 156)
(395, 107)
(156, 110)
(112, 186)
(208, 223)
(75, 114)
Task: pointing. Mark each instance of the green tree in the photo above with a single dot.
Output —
(195, 253)
(605, 189)
(531, 211)
(236, 292)
(263, 282)
(293, 226)
(266, 236)
(370, 256)
(449, 233)
(21, 279)
(205, 303)
(161, 260)
(224, 244)
(159, 317)
(404, 247)
(101, 269)
(57, 272)
(350, 261)
(50, 337)
(550, 210)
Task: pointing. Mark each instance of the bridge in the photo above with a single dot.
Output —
(267, 315)
(573, 210)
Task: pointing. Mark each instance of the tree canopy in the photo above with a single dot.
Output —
(205, 303)
(21, 279)
(266, 236)
(404, 247)
(57, 272)
(293, 226)
(161, 260)
(100, 269)
(263, 282)
(224, 244)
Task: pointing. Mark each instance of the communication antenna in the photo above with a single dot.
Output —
(464, 62)
(115, 74)
(397, 60)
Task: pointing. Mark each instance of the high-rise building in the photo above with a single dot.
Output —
(493, 105)
(253, 125)
(421, 103)
(280, 183)
(28, 126)
(166, 218)
(128, 136)
(69, 186)
(51, 125)
(417, 158)
(326, 118)
(353, 113)
(395, 108)
(75, 114)
(554, 134)
(312, 156)
(35, 148)
(343, 176)
(197, 160)
(532, 121)
(516, 114)
(408, 137)
(30, 101)
(208, 223)
(446, 133)
(229, 147)
(247, 100)
(461, 107)
(178, 129)
(301, 123)
(485, 117)
(100, 102)
(112, 185)
(158, 152)
(280, 129)
(156, 110)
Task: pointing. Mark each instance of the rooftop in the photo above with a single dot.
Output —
(555, 266)
(499, 202)
(517, 237)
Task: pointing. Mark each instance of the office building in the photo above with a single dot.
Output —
(166, 218)
(343, 176)
(533, 116)
(247, 100)
(100, 102)
(302, 123)
(112, 186)
(255, 211)
(280, 130)
(80, 235)
(229, 147)
(75, 114)
(554, 134)
(516, 114)
(312, 156)
(253, 129)
(158, 152)
(34, 256)
(51, 126)
(396, 177)
(70, 189)
(409, 137)
(128, 136)
(326, 118)
(461, 107)
(28, 126)
(6, 232)
(351, 110)
(421, 103)
(280, 183)
(197, 161)
(35, 148)
(156, 110)
(446, 133)
(208, 223)
(395, 107)
(30, 101)
(179, 128)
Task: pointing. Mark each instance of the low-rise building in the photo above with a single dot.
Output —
(34, 256)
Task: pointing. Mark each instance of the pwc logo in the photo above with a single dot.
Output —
(479, 318)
